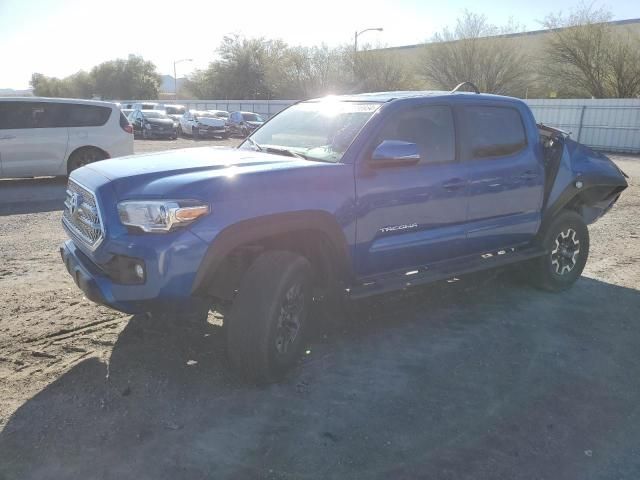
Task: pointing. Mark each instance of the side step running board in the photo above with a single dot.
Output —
(433, 273)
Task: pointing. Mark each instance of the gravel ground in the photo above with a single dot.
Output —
(478, 379)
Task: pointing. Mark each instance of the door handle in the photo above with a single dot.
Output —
(454, 184)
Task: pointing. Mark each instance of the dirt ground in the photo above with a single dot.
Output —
(476, 379)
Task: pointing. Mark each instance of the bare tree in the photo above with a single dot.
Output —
(584, 56)
(479, 52)
(311, 72)
(378, 70)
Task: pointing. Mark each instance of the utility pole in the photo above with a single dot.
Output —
(175, 75)
(357, 34)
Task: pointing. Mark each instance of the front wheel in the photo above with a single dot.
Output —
(566, 241)
(269, 316)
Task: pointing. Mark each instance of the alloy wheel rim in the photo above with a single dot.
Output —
(289, 320)
(566, 249)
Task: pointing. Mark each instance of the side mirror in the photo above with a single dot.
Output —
(395, 152)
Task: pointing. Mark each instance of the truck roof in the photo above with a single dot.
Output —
(383, 97)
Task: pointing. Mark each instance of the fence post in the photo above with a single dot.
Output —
(584, 107)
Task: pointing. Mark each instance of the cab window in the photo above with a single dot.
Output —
(429, 127)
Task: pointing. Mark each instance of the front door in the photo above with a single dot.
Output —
(410, 215)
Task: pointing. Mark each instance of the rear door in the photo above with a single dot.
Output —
(32, 140)
(85, 122)
(506, 186)
(413, 214)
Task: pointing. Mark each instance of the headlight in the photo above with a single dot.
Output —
(147, 126)
(160, 215)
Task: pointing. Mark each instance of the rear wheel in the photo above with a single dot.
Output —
(84, 156)
(567, 244)
(269, 316)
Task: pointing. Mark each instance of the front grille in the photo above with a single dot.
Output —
(81, 215)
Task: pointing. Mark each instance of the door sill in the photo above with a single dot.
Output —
(399, 280)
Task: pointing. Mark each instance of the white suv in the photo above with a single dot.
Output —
(53, 136)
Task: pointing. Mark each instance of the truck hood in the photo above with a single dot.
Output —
(156, 174)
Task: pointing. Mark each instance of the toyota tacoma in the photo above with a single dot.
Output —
(342, 197)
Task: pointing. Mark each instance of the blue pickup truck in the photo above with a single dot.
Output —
(333, 198)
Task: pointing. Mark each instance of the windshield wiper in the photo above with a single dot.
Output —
(255, 144)
(285, 151)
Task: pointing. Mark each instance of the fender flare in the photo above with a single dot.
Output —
(254, 230)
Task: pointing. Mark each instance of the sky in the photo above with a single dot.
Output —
(60, 37)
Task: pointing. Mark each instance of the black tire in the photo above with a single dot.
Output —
(84, 156)
(194, 133)
(264, 336)
(225, 136)
(566, 241)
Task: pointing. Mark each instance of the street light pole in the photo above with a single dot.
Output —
(357, 34)
(175, 75)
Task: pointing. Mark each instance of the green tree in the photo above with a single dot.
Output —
(131, 78)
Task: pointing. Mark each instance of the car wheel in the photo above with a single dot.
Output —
(268, 319)
(194, 133)
(225, 136)
(84, 156)
(566, 242)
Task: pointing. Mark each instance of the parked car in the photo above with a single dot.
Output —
(144, 106)
(220, 113)
(52, 136)
(244, 123)
(336, 199)
(153, 124)
(203, 123)
(173, 111)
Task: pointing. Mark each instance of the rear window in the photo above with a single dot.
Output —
(175, 110)
(83, 115)
(491, 132)
(252, 117)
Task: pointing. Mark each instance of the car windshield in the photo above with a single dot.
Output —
(175, 110)
(318, 130)
(155, 114)
(252, 117)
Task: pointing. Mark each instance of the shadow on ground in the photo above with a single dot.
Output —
(32, 195)
(500, 381)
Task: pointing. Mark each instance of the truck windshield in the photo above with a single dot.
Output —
(317, 130)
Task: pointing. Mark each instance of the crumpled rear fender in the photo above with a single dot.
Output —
(582, 180)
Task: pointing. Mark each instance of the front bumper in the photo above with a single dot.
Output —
(213, 132)
(162, 133)
(171, 262)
